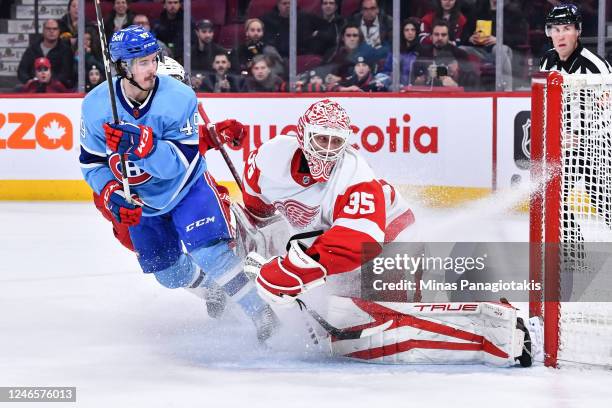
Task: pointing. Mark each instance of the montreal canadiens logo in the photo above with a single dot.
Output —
(136, 176)
(298, 214)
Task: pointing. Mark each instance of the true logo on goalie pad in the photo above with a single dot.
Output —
(447, 307)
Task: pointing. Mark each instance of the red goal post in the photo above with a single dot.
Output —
(571, 172)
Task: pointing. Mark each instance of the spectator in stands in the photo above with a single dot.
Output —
(310, 82)
(58, 52)
(68, 23)
(196, 79)
(410, 48)
(94, 77)
(254, 45)
(43, 81)
(375, 25)
(362, 80)
(204, 50)
(93, 52)
(439, 63)
(277, 29)
(143, 21)
(484, 44)
(444, 72)
(120, 17)
(450, 11)
(221, 80)
(327, 28)
(169, 28)
(262, 78)
(341, 61)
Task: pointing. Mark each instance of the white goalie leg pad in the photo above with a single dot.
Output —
(428, 333)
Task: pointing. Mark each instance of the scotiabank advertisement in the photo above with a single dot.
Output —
(414, 141)
(408, 141)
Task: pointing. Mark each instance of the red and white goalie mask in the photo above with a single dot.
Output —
(323, 133)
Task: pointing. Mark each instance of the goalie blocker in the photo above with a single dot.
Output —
(432, 333)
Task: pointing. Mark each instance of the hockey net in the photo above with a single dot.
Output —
(570, 216)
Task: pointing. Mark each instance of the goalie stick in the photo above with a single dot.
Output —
(343, 334)
(111, 93)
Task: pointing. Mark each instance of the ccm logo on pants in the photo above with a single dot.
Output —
(199, 223)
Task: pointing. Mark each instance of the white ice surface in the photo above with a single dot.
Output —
(76, 311)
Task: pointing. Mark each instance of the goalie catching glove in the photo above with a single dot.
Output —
(136, 141)
(115, 202)
(229, 131)
(280, 280)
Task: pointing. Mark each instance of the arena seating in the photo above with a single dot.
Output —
(230, 35)
(151, 10)
(258, 8)
(306, 62)
(211, 10)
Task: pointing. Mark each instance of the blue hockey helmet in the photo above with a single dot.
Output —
(132, 42)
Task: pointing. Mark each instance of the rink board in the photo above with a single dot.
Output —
(445, 148)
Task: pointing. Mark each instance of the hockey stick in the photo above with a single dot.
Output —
(343, 334)
(215, 137)
(111, 92)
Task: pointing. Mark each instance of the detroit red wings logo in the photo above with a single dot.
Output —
(298, 214)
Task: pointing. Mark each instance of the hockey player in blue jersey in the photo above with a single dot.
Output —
(174, 201)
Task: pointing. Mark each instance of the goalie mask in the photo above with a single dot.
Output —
(323, 133)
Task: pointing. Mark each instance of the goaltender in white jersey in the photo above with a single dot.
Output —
(318, 182)
(324, 188)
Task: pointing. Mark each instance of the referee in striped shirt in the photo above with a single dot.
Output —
(588, 158)
(563, 26)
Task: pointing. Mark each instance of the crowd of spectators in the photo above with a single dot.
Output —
(444, 43)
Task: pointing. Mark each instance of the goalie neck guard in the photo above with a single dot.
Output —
(322, 133)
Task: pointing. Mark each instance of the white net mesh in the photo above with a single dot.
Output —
(585, 334)
(585, 325)
(587, 160)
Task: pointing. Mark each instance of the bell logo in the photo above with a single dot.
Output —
(51, 131)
